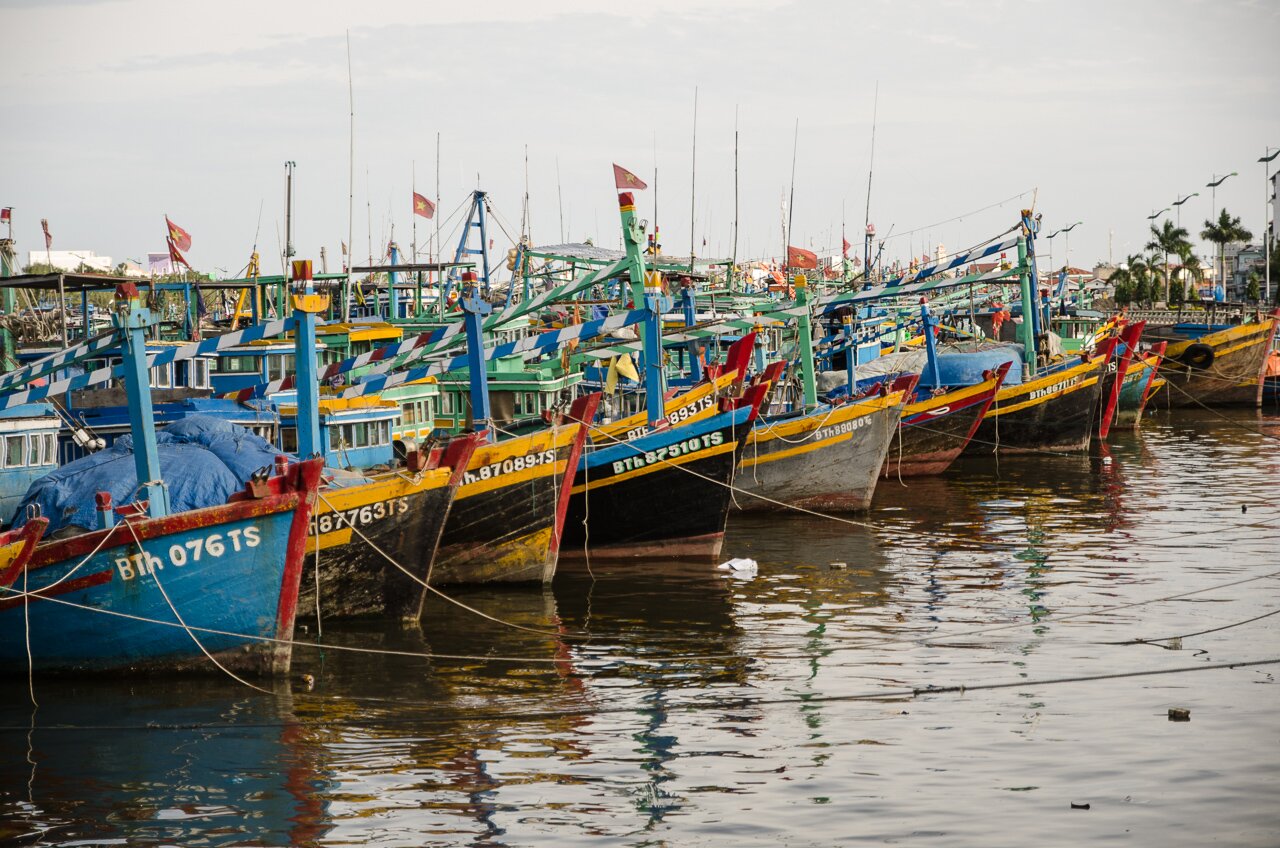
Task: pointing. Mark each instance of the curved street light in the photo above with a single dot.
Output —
(1178, 204)
(1268, 221)
(1158, 214)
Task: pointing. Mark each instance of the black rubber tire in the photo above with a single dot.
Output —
(1199, 356)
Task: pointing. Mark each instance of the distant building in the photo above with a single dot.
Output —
(159, 264)
(70, 260)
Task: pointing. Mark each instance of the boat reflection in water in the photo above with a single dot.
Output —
(194, 761)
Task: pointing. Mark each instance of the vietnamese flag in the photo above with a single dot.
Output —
(624, 179)
(798, 257)
(175, 256)
(48, 239)
(177, 235)
(423, 207)
(846, 247)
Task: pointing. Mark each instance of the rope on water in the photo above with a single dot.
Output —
(155, 574)
(724, 704)
(415, 578)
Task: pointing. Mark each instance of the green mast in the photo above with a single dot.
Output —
(8, 346)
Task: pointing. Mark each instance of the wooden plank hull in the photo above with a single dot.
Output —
(402, 518)
(156, 594)
(663, 494)
(504, 524)
(828, 459)
(934, 432)
(1055, 412)
(1231, 376)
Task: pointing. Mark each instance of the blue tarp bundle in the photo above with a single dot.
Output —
(204, 460)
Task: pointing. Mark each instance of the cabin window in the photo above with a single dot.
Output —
(431, 409)
(33, 450)
(51, 449)
(200, 373)
(360, 434)
(162, 377)
(279, 366)
(446, 403)
(15, 447)
(335, 438)
(236, 365)
(289, 439)
(384, 432)
(409, 413)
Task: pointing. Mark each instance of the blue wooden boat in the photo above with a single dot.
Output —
(157, 588)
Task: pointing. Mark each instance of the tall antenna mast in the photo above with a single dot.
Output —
(866, 259)
(351, 185)
(693, 178)
(560, 200)
(791, 203)
(733, 267)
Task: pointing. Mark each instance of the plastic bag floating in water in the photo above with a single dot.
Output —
(740, 567)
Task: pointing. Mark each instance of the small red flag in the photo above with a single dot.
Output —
(48, 239)
(178, 236)
(6, 215)
(798, 257)
(846, 247)
(423, 207)
(175, 255)
(624, 179)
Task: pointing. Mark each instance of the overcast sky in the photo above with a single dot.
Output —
(117, 112)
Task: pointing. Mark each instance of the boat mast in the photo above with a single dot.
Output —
(351, 184)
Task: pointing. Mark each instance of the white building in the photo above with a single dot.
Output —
(70, 260)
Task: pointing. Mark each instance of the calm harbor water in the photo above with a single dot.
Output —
(771, 709)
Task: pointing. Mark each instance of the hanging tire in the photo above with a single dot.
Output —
(1199, 356)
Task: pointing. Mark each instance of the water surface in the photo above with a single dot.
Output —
(789, 707)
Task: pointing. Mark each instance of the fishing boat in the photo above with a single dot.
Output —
(938, 423)
(1141, 382)
(507, 520)
(149, 585)
(30, 441)
(1212, 364)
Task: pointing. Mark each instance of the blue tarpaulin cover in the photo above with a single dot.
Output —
(204, 460)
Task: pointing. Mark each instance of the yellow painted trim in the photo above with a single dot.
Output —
(532, 443)
(641, 419)
(1221, 337)
(998, 408)
(380, 489)
(948, 397)
(636, 472)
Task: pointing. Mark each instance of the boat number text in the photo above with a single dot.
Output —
(840, 429)
(194, 550)
(678, 416)
(509, 465)
(684, 448)
(1054, 389)
(359, 516)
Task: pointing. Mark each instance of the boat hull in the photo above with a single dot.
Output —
(934, 432)
(505, 521)
(400, 517)
(1135, 392)
(828, 459)
(1232, 376)
(1055, 412)
(662, 494)
(158, 594)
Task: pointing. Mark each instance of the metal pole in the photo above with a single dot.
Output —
(133, 319)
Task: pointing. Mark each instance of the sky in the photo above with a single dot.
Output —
(118, 112)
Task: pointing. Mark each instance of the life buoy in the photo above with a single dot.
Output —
(1197, 356)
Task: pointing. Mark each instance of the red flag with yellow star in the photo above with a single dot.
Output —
(625, 180)
(177, 235)
(422, 206)
(798, 257)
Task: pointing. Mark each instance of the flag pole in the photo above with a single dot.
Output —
(351, 184)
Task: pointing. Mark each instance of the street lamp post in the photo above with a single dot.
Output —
(1178, 205)
(1219, 270)
(1267, 221)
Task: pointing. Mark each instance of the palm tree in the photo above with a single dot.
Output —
(1226, 230)
(1191, 268)
(1132, 280)
(1168, 238)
